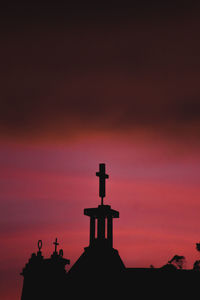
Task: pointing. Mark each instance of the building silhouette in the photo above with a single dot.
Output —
(100, 272)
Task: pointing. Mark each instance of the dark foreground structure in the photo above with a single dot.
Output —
(100, 273)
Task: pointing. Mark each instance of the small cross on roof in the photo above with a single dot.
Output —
(56, 245)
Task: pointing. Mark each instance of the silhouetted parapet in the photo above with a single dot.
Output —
(35, 262)
(57, 262)
(56, 265)
(45, 278)
(32, 273)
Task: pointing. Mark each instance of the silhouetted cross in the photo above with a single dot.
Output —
(102, 181)
(56, 244)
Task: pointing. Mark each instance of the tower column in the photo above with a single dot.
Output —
(110, 231)
(92, 229)
(101, 228)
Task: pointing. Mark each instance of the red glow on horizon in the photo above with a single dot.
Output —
(44, 192)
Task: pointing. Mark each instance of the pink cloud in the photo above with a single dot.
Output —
(44, 189)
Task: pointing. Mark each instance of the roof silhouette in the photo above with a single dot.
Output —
(100, 271)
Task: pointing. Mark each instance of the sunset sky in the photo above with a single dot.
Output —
(83, 85)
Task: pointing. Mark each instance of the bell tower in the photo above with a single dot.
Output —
(101, 218)
(99, 257)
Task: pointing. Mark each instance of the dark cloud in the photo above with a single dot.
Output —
(121, 72)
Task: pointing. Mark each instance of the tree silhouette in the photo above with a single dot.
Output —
(178, 261)
(198, 246)
(196, 265)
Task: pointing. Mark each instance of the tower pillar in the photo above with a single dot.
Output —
(101, 228)
(92, 230)
(110, 231)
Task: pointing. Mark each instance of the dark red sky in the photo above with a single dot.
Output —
(85, 84)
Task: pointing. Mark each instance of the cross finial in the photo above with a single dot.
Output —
(39, 245)
(56, 245)
(102, 181)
